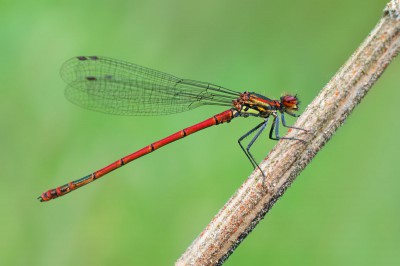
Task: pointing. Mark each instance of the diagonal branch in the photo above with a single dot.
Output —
(284, 163)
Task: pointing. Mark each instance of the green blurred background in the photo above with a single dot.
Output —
(342, 210)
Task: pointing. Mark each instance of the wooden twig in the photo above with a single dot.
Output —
(322, 117)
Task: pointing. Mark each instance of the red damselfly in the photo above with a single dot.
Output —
(116, 87)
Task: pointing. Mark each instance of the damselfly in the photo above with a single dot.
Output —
(116, 87)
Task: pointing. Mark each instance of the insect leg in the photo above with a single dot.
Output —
(285, 125)
(275, 126)
(245, 136)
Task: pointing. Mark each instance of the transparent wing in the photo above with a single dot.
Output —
(116, 87)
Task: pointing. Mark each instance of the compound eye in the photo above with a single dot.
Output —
(290, 101)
